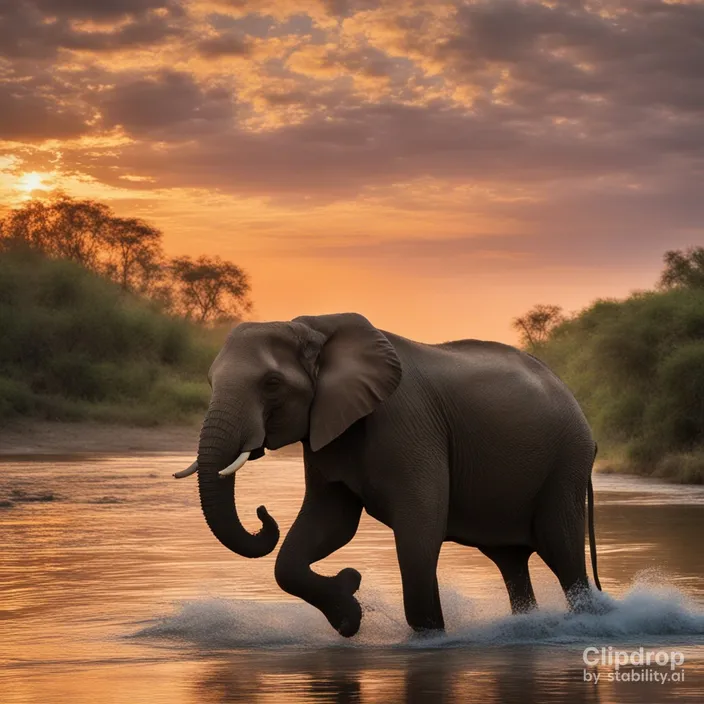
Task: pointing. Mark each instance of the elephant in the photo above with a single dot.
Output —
(473, 442)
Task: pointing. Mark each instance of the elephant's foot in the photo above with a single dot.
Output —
(583, 600)
(342, 610)
(348, 580)
(523, 605)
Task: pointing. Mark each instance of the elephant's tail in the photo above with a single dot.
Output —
(590, 518)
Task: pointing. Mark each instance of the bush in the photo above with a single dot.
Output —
(15, 398)
(637, 368)
(76, 346)
(683, 467)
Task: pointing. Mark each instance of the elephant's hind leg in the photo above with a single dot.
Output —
(559, 541)
(512, 561)
(326, 522)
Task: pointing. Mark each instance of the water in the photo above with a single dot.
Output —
(113, 590)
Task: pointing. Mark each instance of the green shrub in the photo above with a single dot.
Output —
(637, 368)
(16, 398)
(74, 346)
(683, 467)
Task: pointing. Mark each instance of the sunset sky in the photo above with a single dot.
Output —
(438, 166)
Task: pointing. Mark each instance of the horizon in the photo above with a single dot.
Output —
(439, 167)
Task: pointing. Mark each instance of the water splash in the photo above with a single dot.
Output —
(646, 612)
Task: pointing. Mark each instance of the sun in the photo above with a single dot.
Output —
(31, 181)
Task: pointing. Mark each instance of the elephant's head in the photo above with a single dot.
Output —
(275, 384)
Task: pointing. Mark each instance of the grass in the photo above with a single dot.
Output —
(74, 346)
(637, 368)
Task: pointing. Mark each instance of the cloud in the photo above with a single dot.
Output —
(40, 29)
(170, 105)
(555, 92)
(105, 9)
(637, 55)
(37, 109)
(347, 149)
(224, 44)
(597, 107)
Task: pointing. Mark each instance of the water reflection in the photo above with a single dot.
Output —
(121, 544)
(521, 674)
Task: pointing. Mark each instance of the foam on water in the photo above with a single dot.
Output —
(646, 612)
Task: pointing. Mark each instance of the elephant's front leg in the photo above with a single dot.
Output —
(327, 520)
(419, 530)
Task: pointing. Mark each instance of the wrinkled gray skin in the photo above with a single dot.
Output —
(472, 442)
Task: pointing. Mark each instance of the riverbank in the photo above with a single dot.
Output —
(33, 437)
(37, 437)
(675, 467)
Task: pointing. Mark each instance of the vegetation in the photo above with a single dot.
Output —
(637, 368)
(75, 346)
(535, 327)
(209, 289)
(129, 252)
(97, 324)
(683, 269)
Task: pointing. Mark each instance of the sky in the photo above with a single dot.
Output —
(439, 166)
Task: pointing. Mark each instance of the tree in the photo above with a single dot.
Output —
(134, 253)
(683, 268)
(78, 229)
(27, 226)
(537, 324)
(128, 251)
(64, 227)
(209, 288)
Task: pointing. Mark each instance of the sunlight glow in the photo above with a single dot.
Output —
(31, 181)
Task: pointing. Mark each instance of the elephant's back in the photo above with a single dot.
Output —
(502, 366)
(493, 384)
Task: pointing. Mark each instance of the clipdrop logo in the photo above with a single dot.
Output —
(638, 665)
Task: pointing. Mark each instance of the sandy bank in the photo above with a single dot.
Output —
(47, 437)
(31, 437)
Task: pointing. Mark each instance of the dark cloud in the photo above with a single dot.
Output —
(289, 97)
(346, 8)
(35, 109)
(582, 95)
(366, 61)
(224, 44)
(638, 54)
(100, 9)
(170, 105)
(38, 30)
(384, 144)
(598, 107)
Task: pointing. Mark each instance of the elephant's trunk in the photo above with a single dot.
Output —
(219, 444)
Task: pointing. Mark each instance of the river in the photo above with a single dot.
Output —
(112, 589)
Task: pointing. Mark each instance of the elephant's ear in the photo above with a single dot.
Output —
(358, 369)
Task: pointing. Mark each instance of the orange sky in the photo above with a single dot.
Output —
(439, 166)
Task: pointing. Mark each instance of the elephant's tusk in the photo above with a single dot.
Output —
(187, 472)
(237, 464)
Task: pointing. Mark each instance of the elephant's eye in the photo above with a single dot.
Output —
(273, 382)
